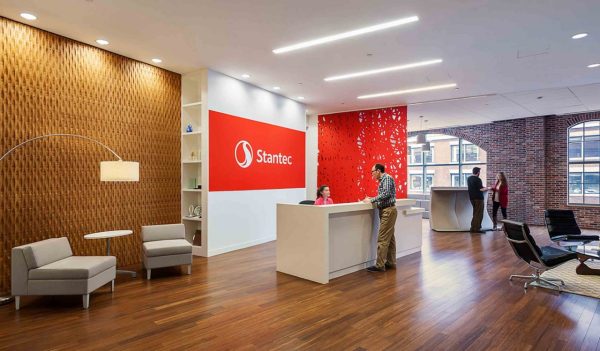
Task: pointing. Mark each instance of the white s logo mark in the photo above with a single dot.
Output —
(248, 153)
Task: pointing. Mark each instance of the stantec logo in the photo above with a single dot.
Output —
(244, 154)
(246, 149)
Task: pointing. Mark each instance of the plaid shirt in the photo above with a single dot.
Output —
(386, 192)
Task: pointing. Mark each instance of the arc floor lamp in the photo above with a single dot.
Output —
(110, 171)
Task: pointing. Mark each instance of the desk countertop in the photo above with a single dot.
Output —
(351, 206)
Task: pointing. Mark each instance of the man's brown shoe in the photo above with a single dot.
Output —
(375, 269)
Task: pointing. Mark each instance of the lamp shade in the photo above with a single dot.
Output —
(421, 139)
(426, 147)
(119, 171)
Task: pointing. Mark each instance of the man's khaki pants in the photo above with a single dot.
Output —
(478, 206)
(386, 243)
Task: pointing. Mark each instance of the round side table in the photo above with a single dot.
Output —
(108, 235)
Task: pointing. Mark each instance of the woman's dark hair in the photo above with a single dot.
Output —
(503, 178)
(320, 190)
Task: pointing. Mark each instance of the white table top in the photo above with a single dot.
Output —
(110, 234)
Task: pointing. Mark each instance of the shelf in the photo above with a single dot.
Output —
(192, 219)
(191, 161)
(192, 104)
(192, 133)
(192, 190)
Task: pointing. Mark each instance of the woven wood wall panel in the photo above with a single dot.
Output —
(51, 188)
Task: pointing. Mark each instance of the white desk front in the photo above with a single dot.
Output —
(319, 243)
(451, 210)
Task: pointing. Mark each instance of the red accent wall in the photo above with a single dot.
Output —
(350, 143)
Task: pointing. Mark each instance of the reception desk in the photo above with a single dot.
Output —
(451, 210)
(319, 243)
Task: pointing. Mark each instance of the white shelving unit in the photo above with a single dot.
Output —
(193, 152)
(191, 133)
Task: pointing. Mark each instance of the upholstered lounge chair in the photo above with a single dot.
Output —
(562, 226)
(539, 258)
(165, 246)
(48, 267)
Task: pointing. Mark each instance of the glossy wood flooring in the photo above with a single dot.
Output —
(455, 295)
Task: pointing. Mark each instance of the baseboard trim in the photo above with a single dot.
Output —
(222, 250)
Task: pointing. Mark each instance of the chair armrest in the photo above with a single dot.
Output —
(19, 272)
(587, 238)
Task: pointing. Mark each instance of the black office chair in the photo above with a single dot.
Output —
(540, 259)
(307, 202)
(562, 226)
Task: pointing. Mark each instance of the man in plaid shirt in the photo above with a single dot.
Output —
(386, 203)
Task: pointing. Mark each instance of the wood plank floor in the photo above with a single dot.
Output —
(454, 295)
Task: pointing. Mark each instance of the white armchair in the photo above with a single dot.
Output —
(48, 267)
(165, 246)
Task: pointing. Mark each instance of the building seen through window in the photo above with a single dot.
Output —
(584, 163)
(449, 162)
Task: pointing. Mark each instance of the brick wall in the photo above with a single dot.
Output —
(533, 154)
(556, 172)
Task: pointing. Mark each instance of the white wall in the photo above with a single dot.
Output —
(239, 219)
(312, 156)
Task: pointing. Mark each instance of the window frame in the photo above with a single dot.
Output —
(452, 148)
(410, 180)
(460, 164)
(583, 162)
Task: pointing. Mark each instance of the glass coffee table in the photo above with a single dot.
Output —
(587, 251)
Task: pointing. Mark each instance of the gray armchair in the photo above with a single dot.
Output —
(48, 267)
(165, 246)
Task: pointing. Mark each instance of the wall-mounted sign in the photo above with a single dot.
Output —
(250, 155)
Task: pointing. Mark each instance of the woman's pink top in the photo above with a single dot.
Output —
(321, 201)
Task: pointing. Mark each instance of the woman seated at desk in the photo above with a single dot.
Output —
(323, 196)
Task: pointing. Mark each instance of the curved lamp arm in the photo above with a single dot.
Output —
(60, 135)
(110, 171)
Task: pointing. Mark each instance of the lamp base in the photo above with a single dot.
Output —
(6, 300)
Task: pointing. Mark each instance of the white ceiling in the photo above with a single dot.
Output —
(513, 50)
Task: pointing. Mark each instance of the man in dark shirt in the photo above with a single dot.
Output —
(476, 190)
(386, 203)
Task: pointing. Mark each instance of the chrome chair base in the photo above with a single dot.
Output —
(542, 282)
(6, 300)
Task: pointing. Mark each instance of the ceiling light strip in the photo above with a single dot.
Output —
(408, 91)
(383, 70)
(352, 33)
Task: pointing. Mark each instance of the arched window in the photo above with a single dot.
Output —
(584, 163)
(449, 162)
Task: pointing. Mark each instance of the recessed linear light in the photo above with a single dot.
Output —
(594, 65)
(579, 36)
(102, 41)
(28, 16)
(245, 76)
(300, 97)
(276, 88)
(408, 91)
(345, 35)
(383, 70)
(156, 60)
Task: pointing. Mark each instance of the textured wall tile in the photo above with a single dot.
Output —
(51, 188)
